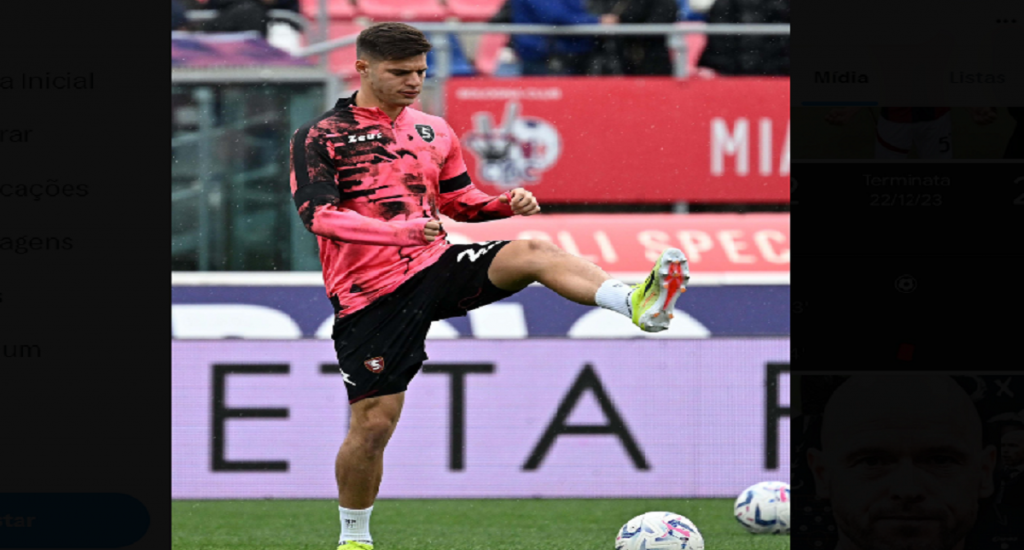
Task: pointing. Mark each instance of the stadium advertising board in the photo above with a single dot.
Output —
(552, 418)
(738, 263)
(626, 139)
(751, 245)
(303, 311)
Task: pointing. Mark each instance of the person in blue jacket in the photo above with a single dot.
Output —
(545, 55)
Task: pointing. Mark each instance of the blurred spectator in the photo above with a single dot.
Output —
(504, 13)
(747, 54)
(178, 20)
(291, 5)
(544, 55)
(242, 15)
(694, 10)
(637, 55)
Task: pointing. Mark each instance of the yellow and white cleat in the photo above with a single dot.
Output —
(352, 545)
(652, 301)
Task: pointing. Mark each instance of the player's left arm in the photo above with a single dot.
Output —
(461, 201)
(469, 204)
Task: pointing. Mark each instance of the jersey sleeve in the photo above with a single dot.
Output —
(315, 192)
(460, 199)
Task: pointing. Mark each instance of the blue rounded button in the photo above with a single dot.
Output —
(71, 520)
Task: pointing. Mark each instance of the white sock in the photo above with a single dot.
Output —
(355, 525)
(614, 295)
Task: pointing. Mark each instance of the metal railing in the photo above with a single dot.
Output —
(676, 33)
(439, 33)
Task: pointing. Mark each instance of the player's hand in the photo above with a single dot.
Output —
(432, 231)
(984, 115)
(522, 202)
(841, 115)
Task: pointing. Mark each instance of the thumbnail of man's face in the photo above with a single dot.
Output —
(902, 463)
(1012, 449)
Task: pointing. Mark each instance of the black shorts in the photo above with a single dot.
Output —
(381, 347)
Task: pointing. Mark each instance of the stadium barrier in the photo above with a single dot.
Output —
(738, 263)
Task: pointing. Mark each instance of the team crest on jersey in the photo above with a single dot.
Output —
(517, 152)
(426, 132)
(374, 365)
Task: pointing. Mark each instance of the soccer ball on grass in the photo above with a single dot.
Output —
(764, 508)
(659, 531)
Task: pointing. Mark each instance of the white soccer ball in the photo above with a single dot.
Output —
(764, 508)
(659, 531)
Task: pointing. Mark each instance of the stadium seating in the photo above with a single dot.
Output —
(401, 10)
(695, 44)
(460, 65)
(342, 60)
(474, 10)
(487, 52)
(337, 10)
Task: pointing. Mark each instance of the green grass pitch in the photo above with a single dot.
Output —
(533, 524)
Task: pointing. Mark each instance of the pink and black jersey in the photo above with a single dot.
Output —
(913, 114)
(366, 186)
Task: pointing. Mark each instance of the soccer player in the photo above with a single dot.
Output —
(926, 129)
(370, 178)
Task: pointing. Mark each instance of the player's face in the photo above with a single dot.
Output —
(904, 484)
(398, 82)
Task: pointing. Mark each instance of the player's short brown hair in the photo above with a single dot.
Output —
(391, 41)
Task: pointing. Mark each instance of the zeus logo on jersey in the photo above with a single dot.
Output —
(473, 255)
(365, 137)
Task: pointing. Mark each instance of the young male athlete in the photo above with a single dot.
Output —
(928, 130)
(370, 178)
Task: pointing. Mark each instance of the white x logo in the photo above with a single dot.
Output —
(346, 378)
(1004, 386)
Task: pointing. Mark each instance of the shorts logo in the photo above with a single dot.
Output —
(375, 365)
(426, 132)
(475, 254)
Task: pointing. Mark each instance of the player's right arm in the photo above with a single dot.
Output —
(315, 192)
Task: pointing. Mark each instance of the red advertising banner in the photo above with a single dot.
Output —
(607, 139)
(715, 244)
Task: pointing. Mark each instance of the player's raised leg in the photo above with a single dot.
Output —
(359, 466)
(520, 263)
(648, 304)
